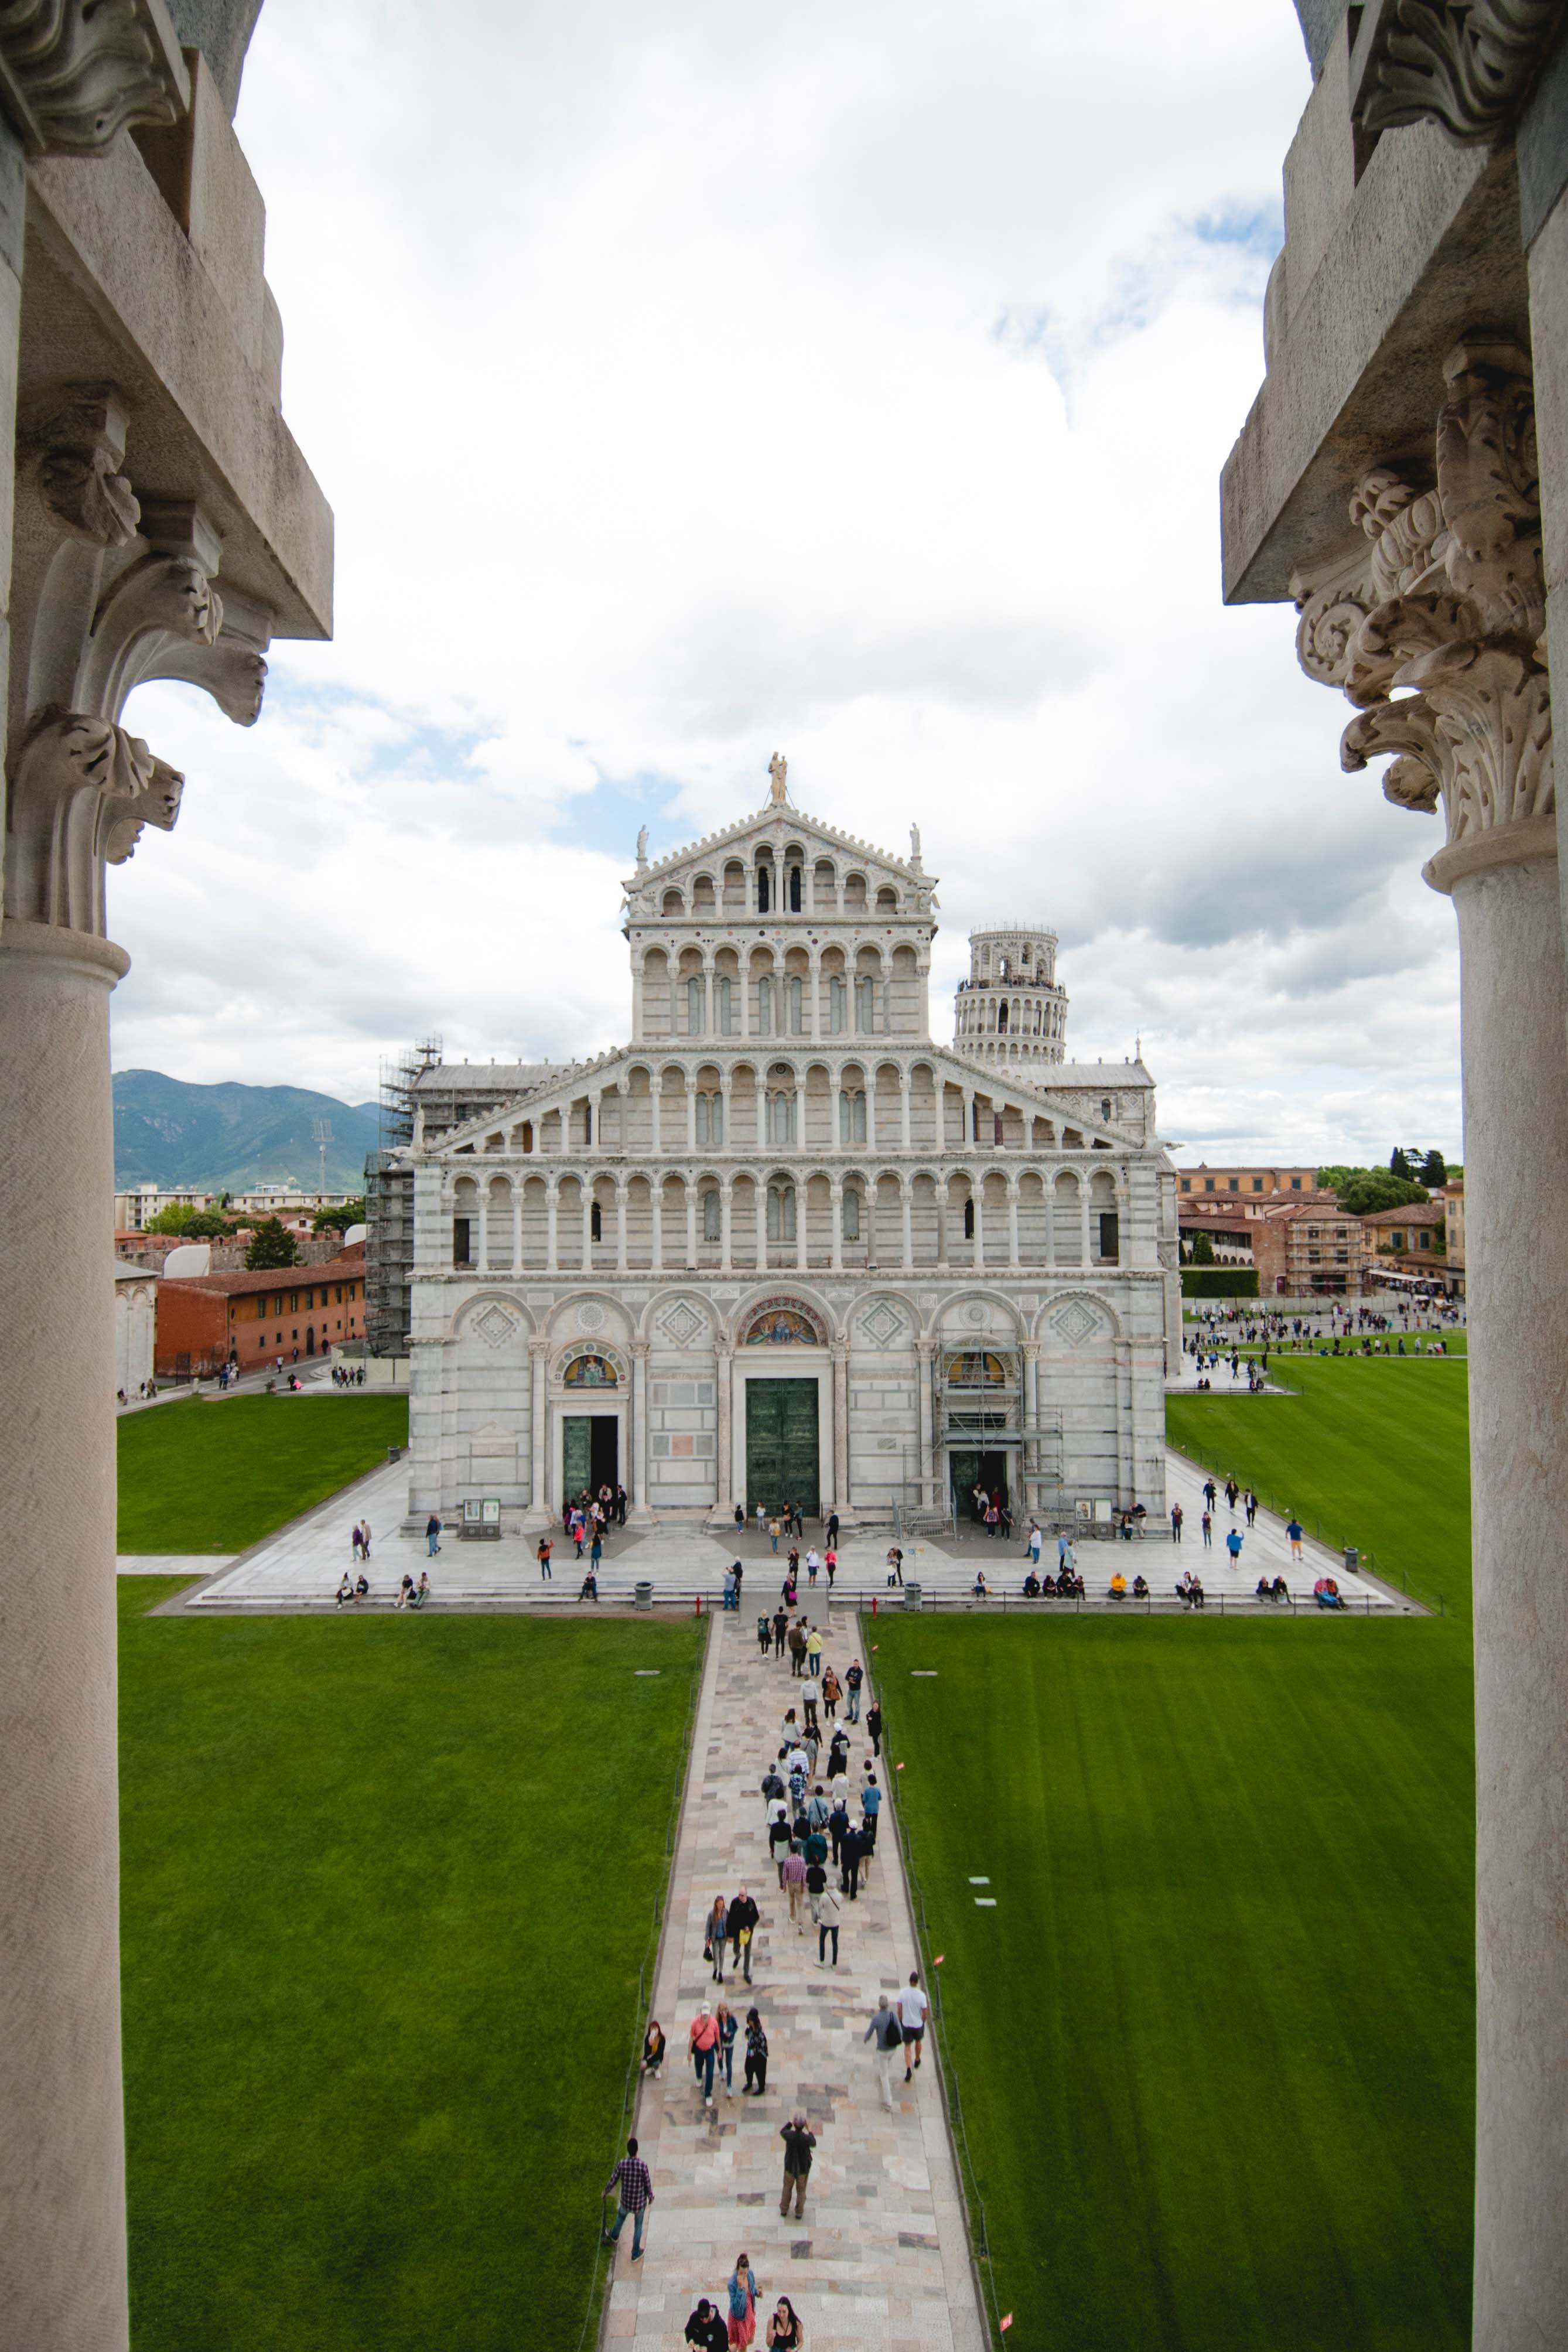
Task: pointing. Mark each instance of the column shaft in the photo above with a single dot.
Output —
(1513, 1010)
(724, 1474)
(639, 1447)
(552, 1235)
(927, 1354)
(842, 1428)
(62, 2152)
(537, 1429)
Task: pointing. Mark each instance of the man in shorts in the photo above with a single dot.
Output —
(911, 2008)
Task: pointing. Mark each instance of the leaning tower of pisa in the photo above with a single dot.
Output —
(1011, 1008)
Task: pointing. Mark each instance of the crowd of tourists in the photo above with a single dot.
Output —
(821, 1809)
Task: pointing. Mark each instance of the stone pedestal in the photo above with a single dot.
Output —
(62, 2156)
(1514, 1006)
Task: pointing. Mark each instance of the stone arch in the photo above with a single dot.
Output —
(487, 1302)
(680, 1317)
(791, 1295)
(1099, 1322)
(674, 902)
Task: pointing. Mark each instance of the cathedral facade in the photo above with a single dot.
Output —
(782, 1246)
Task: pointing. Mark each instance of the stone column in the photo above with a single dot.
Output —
(637, 1001)
(725, 1214)
(1013, 1259)
(723, 1476)
(655, 1092)
(904, 1084)
(1447, 674)
(840, 1424)
(1031, 1424)
(691, 1110)
(907, 1206)
(62, 2158)
(977, 1194)
(691, 1223)
(482, 1256)
(802, 1260)
(814, 982)
(656, 1216)
(552, 1231)
(925, 1351)
(587, 1181)
(639, 1445)
(538, 1350)
(761, 1108)
(970, 1136)
(942, 1265)
(760, 1190)
(516, 1185)
(722, 1142)
(595, 1140)
(836, 1214)
(621, 1225)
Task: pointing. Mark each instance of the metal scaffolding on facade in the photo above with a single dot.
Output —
(389, 1202)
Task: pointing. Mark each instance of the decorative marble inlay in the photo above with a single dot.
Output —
(590, 1316)
(1075, 1322)
(495, 1326)
(978, 1314)
(883, 1324)
(681, 1324)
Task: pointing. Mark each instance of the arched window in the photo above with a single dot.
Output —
(764, 878)
(1002, 1019)
(851, 1214)
(838, 1005)
(968, 1221)
(713, 1215)
(1104, 1106)
(724, 1006)
(795, 999)
(694, 1006)
(710, 1118)
(852, 1114)
(765, 1007)
(865, 1005)
(595, 1224)
(794, 890)
(781, 1118)
(587, 1122)
(780, 1213)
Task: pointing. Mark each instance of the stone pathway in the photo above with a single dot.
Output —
(881, 2260)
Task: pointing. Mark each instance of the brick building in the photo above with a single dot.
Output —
(1302, 1248)
(251, 1319)
(1412, 1240)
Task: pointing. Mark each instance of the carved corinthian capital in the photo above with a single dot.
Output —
(75, 73)
(82, 791)
(1432, 624)
(1468, 64)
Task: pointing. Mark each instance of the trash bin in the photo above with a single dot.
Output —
(393, 1452)
(645, 1594)
(1351, 1560)
(912, 1596)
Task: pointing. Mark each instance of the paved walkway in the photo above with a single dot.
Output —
(301, 1567)
(881, 2260)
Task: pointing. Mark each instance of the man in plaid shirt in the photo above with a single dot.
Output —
(636, 2194)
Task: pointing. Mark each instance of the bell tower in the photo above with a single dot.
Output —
(1010, 1010)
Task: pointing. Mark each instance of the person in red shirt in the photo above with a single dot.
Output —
(703, 2042)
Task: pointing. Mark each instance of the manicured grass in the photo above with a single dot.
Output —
(1215, 2043)
(1372, 1451)
(387, 1884)
(211, 1476)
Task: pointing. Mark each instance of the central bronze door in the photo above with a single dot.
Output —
(782, 1465)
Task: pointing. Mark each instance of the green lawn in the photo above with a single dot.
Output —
(1373, 1452)
(387, 1884)
(1215, 2043)
(205, 1475)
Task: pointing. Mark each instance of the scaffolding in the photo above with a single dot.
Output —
(389, 1201)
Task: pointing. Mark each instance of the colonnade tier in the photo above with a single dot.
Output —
(852, 984)
(866, 1097)
(729, 887)
(784, 1216)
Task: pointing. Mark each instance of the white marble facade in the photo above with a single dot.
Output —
(781, 1179)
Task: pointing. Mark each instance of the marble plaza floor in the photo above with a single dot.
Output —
(301, 1567)
(880, 2262)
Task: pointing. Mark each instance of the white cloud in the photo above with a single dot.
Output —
(693, 383)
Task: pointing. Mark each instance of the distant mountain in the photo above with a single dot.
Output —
(225, 1138)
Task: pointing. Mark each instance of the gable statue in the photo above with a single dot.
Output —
(777, 770)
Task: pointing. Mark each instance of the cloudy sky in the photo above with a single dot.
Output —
(694, 381)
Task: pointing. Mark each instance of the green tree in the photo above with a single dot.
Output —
(338, 1220)
(270, 1246)
(1371, 1189)
(1202, 1250)
(177, 1218)
(1399, 1163)
(1433, 1171)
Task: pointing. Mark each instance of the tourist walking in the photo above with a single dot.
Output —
(854, 1678)
(1175, 1522)
(1207, 1531)
(703, 2042)
(728, 2029)
(832, 1691)
(545, 1549)
(810, 1692)
(792, 1879)
(742, 2291)
(432, 1536)
(895, 1565)
(873, 1725)
(742, 1925)
(780, 1622)
(755, 2056)
(635, 2194)
(913, 2006)
(886, 2034)
(1249, 1503)
(798, 2141)
(1293, 1529)
(797, 1649)
(716, 1927)
(1233, 1542)
(824, 1911)
(764, 1633)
